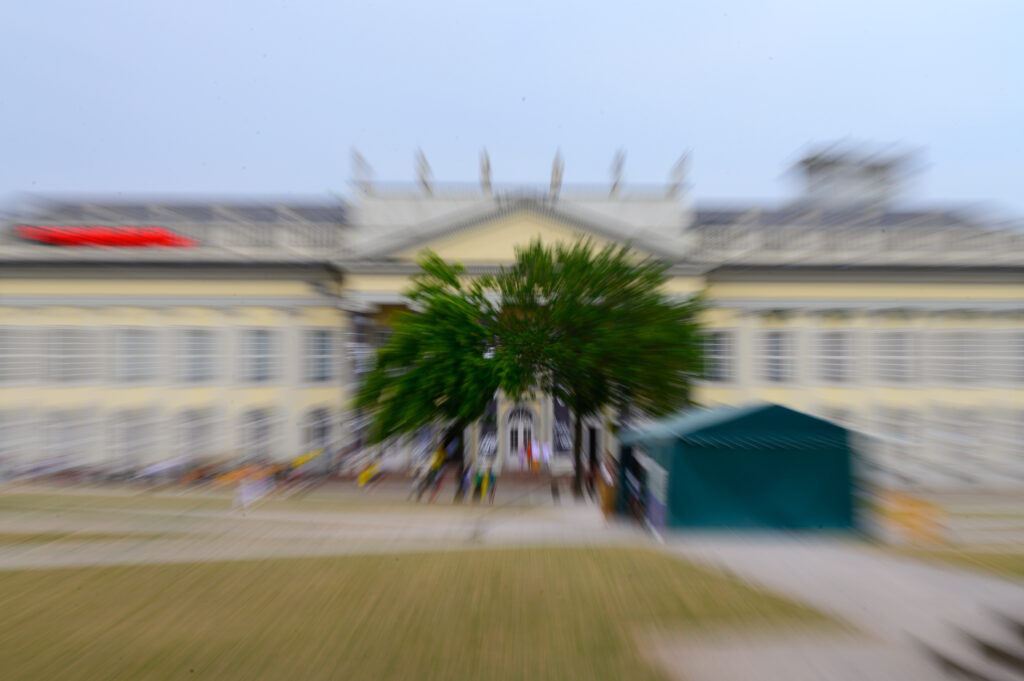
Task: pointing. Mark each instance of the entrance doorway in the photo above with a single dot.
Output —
(520, 436)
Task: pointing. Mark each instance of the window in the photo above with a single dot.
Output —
(718, 356)
(256, 445)
(893, 360)
(198, 355)
(317, 433)
(258, 358)
(68, 439)
(834, 353)
(134, 355)
(1008, 357)
(957, 357)
(134, 438)
(17, 354)
(777, 356)
(319, 353)
(195, 435)
(71, 355)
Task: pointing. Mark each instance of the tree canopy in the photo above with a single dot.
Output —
(436, 366)
(590, 326)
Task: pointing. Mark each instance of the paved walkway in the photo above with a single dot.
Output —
(176, 536)
(897, 603)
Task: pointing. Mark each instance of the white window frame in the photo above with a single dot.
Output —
(251, 448)
(956, 357)
(1006, 358)
(247, 355)
(135, 355)
(187, 359)
(90, 358)
(835, 365)
(19, 355)
(134, 436)
(894, 366)
(783, 371)
(189, 422)
(313, 355)
(314, 418)
(714, 356)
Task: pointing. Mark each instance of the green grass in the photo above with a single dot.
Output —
(8, 538)
(538, 614)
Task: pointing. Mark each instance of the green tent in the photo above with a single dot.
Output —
(761, 466)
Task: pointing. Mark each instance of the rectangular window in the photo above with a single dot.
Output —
(17, 354)
(196, 435)
(718, 356)
(72, 355)
(893, 358)
(198, 355)
(1008, 357)
(319, 353)
(957, 357)
(777, 356)
(134, 434)
(135, 356)
(834, 354)
(258, 355)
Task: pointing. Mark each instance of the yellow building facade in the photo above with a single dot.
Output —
(907, 325)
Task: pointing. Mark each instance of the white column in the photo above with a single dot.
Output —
(288, 409)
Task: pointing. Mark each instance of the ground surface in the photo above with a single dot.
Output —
(154, 611)
(345, 583)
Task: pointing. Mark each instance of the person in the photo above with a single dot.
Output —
(432, 471)
(478, 485)
(438, 481)
(490, 485)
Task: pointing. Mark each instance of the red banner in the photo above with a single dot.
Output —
(119, 236)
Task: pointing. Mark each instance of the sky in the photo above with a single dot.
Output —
(254, 97)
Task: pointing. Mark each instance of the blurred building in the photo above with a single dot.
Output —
(244, 338)
(223, 342)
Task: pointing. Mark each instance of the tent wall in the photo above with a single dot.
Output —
(754, 487)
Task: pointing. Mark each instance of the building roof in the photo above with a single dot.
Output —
(264, 212)
(750, 426)
(814, 217)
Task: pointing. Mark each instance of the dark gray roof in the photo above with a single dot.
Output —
(185, 211)
(831, 217)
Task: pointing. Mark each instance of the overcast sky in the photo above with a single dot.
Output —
(251, 96)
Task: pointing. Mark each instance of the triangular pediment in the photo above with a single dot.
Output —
(491, 237)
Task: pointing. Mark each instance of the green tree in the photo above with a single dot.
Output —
(437, 366)
(594, 328)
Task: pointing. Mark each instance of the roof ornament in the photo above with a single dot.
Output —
(423, 172)
(618, 163)
(677, 176)
(362, 173)
(557, 168)
(485, 172)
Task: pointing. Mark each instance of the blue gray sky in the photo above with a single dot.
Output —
(253, 97)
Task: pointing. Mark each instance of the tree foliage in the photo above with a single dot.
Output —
(590, 326)
(594, 328)
(435, 367)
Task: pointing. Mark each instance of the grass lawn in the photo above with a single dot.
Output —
(492, 614)
(8, 538)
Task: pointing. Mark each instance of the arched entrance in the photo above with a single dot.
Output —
(520, 433)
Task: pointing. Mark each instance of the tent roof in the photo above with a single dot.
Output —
(750, 426)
